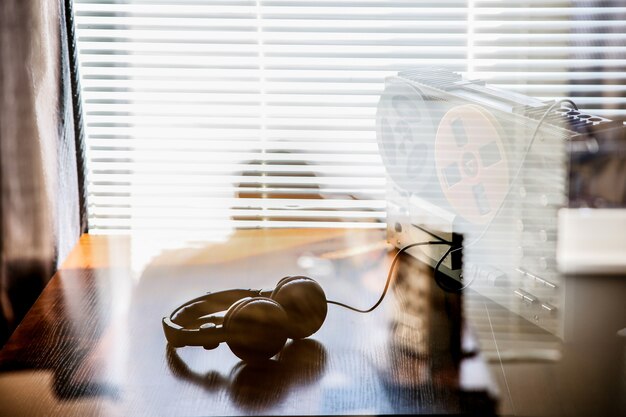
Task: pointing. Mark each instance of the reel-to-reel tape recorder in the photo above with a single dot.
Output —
(470, 163)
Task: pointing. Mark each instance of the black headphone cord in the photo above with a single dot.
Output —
(390, 275)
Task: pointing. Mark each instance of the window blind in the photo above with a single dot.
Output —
(204, 115)
(552, 49)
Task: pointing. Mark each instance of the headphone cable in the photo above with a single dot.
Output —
(390, 275)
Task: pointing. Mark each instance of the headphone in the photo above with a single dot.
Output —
(253, 386)
(256, 323)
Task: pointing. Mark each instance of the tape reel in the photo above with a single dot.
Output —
(471, 162)
(405, 134)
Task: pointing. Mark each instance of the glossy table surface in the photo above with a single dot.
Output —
(93, 344)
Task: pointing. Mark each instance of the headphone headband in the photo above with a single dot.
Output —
(189, 326)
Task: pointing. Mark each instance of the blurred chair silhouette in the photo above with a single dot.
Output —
(41, 165)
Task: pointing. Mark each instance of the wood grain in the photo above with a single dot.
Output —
(103, 251)
(93, 343)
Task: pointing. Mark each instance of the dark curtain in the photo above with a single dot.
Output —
(41, 171)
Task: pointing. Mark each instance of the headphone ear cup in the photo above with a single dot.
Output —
(281, 282)
(255, 328)
(304, 302)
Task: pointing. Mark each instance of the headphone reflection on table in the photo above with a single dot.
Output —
(257, 323)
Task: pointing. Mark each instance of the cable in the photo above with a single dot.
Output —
(390, 274)
(543, 118)
(440, 282)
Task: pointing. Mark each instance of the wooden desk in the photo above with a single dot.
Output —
(93, 344)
